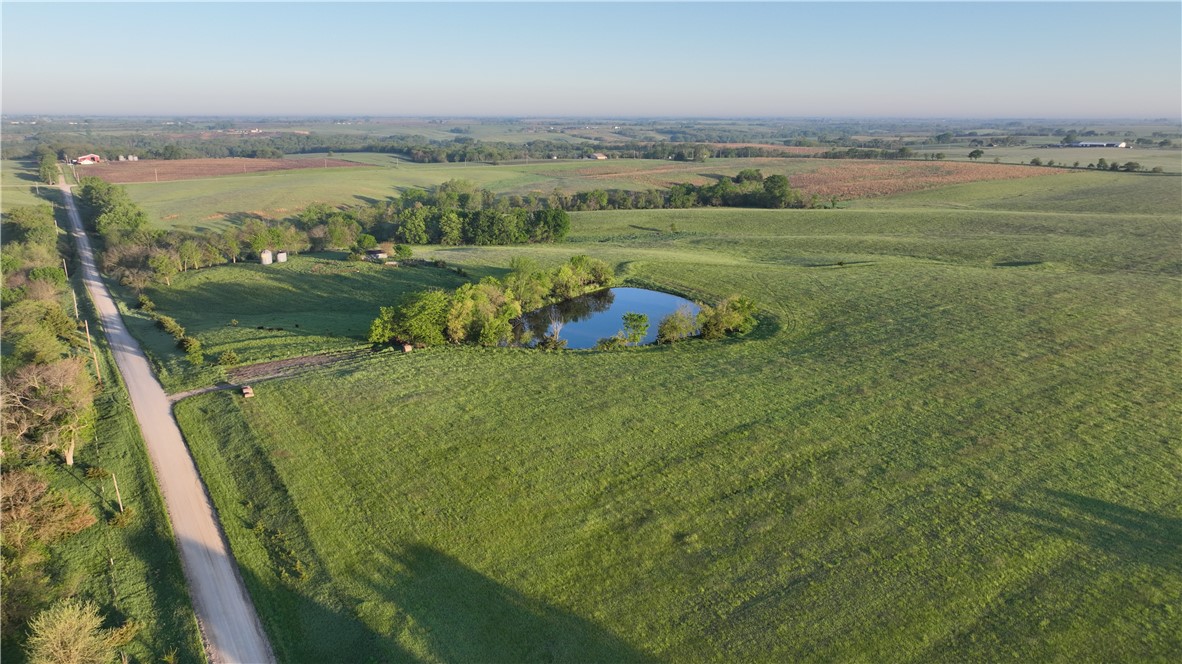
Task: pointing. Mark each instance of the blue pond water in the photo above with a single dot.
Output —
(591, 317)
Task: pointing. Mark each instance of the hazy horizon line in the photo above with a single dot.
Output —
(625, 117)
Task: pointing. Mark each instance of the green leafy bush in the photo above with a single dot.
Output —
(733, 315)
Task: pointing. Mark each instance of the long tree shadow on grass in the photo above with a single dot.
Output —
(1131, 534)
(467, 617)
(302, 628)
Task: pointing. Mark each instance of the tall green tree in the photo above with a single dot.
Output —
(635, 327)
(419, 319)
(48, 169)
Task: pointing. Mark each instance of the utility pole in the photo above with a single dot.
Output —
(98, 372)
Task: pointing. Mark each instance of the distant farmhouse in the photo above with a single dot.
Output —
(598, 155)
(1122, 144)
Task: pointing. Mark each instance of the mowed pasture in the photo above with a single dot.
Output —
(954, 436)
(215, 203)
(20, 185)
(1169, 159)
(167, 170)
(311, 304)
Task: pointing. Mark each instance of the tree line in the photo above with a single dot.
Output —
(456, 212)
(453, 213)
(414, 148)
(490, 312)
(748, 189)
(46, 412)
(486, 313)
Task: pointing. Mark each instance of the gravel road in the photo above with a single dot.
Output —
(230, 627)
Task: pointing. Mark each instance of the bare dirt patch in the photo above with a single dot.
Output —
(290, 367)
(167, 170)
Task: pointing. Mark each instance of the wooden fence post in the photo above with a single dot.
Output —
(98, 372)
(118, 496)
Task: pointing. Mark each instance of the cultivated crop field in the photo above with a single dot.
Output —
(166, 170)
(954, 436)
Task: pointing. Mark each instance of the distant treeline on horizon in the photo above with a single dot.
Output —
(676, 140)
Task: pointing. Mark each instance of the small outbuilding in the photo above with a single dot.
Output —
(599, 155)
(265, 257)
(376, 255)
(247, 391)
(281, 257)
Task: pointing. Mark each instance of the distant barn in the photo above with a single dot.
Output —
(88, 159)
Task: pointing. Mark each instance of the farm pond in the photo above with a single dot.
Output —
(586, 319)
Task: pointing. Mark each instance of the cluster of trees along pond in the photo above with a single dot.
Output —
(46, 411)
(453, 213)
(489, 313)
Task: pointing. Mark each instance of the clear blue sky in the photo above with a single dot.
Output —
(927, 59)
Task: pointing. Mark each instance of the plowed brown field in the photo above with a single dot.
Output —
(164, 170)
(771, 147)
(856, 179)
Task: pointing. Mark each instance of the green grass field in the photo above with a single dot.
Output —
(1170, 160)
(312, 304)
(953, 437)
(19, 185)
(214, 203)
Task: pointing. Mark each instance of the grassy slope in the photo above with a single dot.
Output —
(133, 570)
(19, 184)
(962, 445)
(312, 304)
(217, 202)
(1169, 159)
